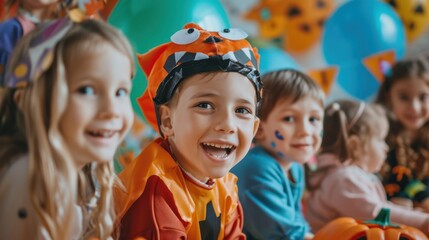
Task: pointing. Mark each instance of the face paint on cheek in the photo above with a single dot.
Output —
(273, 144)
(278, 135)
(321, 134)
(279, 154)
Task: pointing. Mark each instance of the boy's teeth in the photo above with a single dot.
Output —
(218, 145)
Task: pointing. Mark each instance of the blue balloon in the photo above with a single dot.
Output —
(273, 58)
(148, 24)
(356, 30)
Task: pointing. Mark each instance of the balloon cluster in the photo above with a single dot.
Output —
(356, 40)
(359, 38)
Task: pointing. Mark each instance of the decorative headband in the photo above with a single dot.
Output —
(335, 107)
(357, 115)
(39, 56)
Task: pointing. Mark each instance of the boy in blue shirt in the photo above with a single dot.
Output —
(271, 177)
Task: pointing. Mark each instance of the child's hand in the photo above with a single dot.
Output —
(308, 236)
(403, 202)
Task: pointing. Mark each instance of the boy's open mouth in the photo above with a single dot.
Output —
(219, 151)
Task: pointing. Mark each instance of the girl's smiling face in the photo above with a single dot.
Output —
(98, 112)
(409, 101)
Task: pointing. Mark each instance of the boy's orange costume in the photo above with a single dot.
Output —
(161, 200)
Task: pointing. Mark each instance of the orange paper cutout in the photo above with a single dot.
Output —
(391, 189)
(7, 12)
(400, 171)
(93, 7)
(325, 77)
(373, 63)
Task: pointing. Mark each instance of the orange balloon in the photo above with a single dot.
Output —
(414, 15)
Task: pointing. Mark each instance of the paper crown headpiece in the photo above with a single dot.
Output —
(193, 50)
(40, 52)
(39, 56)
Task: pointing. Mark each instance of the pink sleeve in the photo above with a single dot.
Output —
(408, 217)
(359, 197)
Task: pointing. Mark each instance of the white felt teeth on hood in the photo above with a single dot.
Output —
(247, 52)
(178, 55)
(200, 56)
(229, 55)
(242, 56)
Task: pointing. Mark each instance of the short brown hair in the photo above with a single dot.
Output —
(285, 84)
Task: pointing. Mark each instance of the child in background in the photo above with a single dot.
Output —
(65, 111)
(30, 13)
(203, 88)
(271, 176)
(405, 94)
(353, 148)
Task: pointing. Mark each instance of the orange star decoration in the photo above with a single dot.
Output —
(325, 77)
(378, 64)
(93, 7)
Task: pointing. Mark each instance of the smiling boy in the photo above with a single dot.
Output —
(271, 177)
(203, 89)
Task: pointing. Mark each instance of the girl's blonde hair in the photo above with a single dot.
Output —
(416, 153)
(343, 119)
(31, 126)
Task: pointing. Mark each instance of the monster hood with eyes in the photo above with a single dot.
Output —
(191, 44)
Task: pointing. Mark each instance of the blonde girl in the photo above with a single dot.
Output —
(405, 94)
(65, 110)
(353, 149)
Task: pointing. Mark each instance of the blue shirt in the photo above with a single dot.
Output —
(271, 202)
